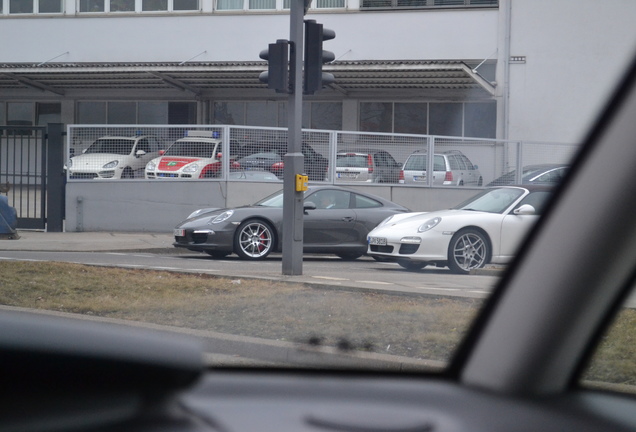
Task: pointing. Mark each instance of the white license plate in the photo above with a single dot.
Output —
(347, 175)
(179, 232)
(377, 241)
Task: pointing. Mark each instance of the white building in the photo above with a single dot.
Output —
(522, 69)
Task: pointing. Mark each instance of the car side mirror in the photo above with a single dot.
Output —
(162, 152)
(140, 153)
(525, 209)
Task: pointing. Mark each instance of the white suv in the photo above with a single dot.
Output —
(450, 168)
(114, 157)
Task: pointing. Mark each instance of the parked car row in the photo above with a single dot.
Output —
(198, 155)
(487, 228)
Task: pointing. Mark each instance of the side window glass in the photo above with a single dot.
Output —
(143, 145)
(454, 165)
(364, 202)
(460, 162)
(467, 162)
(439, 164)
(537, 200)
(331, 199)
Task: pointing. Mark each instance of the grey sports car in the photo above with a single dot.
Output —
(337, 221)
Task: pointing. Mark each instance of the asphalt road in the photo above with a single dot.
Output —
(363, 273)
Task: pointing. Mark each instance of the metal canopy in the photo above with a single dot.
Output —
(198, 78)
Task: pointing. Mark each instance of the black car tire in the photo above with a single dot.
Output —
(127, 173)
(349, 256)
(412, 265)
(217, 254)
(254, 239)
(468, 249)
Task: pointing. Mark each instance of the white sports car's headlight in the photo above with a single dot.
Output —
(431, 223)
(69, 163)
(111, 164)
(191, 168)
(222, 217)
(151, 166)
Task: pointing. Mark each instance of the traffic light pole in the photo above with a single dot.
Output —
(294, 160)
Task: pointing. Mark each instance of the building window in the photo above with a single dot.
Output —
(273, 4)
(229, 4)
(376, 117)
(411, 118)
(445, 119)
(122, 113)
(91, 5)
(470, 119)
(480, 120)
(324, 4)
(20, 114)
(262, 4)
(136, 113)
(46, 113)
(316, 115)
(322, 115)
(20, 6)
(122, 5)
(426, 4)
(182, 5)
(154, 5)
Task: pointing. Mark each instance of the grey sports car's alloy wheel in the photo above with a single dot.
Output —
(468, 249)
(254, 239)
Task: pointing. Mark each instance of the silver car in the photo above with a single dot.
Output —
(377, 166)
(450, 168)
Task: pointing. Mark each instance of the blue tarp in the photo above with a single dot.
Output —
(8, 219)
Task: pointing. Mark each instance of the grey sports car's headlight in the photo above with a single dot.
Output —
(431, 223)
(222, 217)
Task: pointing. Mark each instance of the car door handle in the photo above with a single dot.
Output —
(348, 219)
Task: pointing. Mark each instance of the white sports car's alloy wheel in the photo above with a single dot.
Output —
(254, 239)
(468, 250)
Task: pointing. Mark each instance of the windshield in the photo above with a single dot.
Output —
(445, 102)
(199, 149)
(274, 200)
(492, 201)
(120, 146)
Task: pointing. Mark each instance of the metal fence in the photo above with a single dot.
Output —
(23, 173)
(240, 153)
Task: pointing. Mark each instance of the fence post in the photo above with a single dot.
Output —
(56, 178)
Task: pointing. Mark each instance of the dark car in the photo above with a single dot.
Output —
(337, 221)
(550, 174)
(269, 156)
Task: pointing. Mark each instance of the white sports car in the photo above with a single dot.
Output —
(487, 228)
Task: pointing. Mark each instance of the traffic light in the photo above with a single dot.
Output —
(277, 75)
(315, 78)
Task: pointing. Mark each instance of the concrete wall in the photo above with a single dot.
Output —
(395, 35)
(147, 206)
